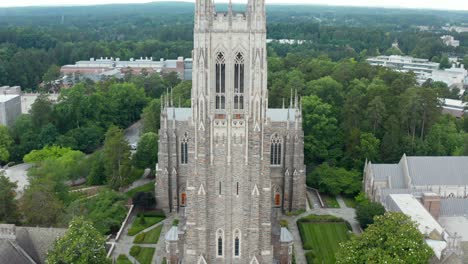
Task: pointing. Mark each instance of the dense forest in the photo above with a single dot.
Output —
(35, 40)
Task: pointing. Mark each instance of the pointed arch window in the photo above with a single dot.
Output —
(184, 150)
(275, 151)
(183, 199)
(239, 79)
(220, 81)
(277, 197)
(219, 242)
(237, 243)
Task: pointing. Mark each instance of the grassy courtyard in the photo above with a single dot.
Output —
(122, 259)
(322, 235)
(141, 223)
(144, 255)
(150, 237)
(329, 201)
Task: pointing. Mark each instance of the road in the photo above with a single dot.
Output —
(19, 175)
(132, 133)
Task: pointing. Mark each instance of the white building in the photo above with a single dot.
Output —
(424, 69)
(456, 108)
(96, 69)
(450, 41)
(10, 108)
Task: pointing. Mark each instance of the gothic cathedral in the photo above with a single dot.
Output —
(229, 166)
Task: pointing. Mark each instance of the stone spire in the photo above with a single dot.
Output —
(204, 10)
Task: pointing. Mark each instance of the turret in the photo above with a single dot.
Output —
(257, 14)
(204, 11)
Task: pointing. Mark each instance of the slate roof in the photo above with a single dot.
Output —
(275, 115)
(10, 252)
(392, 172)
(30, 246)
(172, 234)
(280, 114)
(286, 236)
(438, 170)
(181, 114)
(454, 207)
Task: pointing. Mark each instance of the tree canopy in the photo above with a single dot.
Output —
(393, 238)
(81, 244)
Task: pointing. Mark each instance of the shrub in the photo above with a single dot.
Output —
(135, 251)
(284, 223)
(141, 219)
(139, 238)
(366, 211)
(175, 222)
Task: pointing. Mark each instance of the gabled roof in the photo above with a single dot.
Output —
(27, 244)
(454, 207)
(10, 252)
(172, 234)
(438, 170)
(286, 236)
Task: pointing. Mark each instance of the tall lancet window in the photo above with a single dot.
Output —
(184, 150)
(219, 242)
(239, 82)
(237, 237)
(275, 152)
(220, 81)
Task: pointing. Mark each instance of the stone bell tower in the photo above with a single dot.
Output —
(229, 165)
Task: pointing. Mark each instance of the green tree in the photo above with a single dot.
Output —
(445, 63)
(41, 111)
(366, 211)
(106, 210)
(327, 89)
(337, 180)
(322, 135)
(147, 151)
(151, 116)
(40, 205)
(49, 152)
(8, 206)
(52, 74)
(81, 244)
(393, 238)
(96, 174)
(182, 93)
(116, 158)
(5, 143)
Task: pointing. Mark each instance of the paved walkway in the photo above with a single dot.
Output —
(125, 242)
(344, 212)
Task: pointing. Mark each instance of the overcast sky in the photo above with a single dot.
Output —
(433, 4)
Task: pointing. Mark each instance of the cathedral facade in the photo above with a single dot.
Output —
(230, 166)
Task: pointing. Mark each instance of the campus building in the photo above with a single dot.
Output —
(230, 166)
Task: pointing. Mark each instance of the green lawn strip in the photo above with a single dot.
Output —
(350, 202)
(149, 187)
(137, 226)
(330, 201)
(322, 239)
(144, 255)
(122, 259)
(150, 237)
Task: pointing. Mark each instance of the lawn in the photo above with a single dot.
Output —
(122, 259)
(149, 187)
(144, 255)
(329, 201)
(323, 239)
(349, 201)
(150, 237)
(138, 226)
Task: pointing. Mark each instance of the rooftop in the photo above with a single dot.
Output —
(5, 98)
(407, 204)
